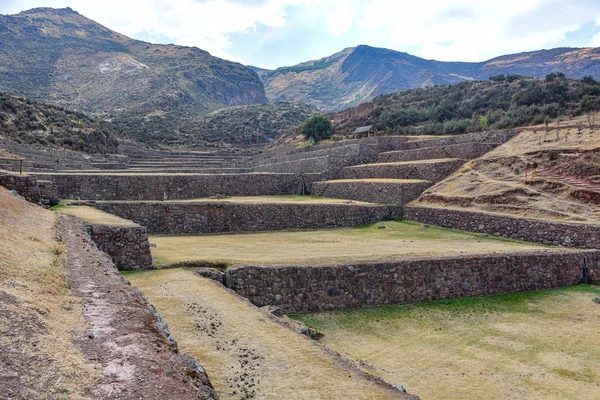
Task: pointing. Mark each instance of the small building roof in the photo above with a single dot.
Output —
(363, 129)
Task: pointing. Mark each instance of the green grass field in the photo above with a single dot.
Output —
(537, 345)
(321, 247)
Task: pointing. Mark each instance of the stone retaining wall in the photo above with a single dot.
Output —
(429, 171)
(24, 185)
(222, 216)
(175, 187)
(364, 284)
(48, 193)
(585, 236)
(377, 191)
(467, 151)
(481, 137)
(127, 246)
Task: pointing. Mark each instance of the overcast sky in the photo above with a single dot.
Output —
(274, 33)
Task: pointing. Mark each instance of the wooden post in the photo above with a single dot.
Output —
(21, 167)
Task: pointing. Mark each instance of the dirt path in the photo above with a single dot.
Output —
(248, 353)
(125, 336)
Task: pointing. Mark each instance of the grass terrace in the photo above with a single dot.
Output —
(246, 352)
(93, 216)
(321, 247)
(537, 345)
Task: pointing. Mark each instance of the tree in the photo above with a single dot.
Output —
(589, 79)
(589, 104)
(317, 128)
(559, 120)
(484, 123)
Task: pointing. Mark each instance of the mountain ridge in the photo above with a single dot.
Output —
(358, 74)
(151, 91)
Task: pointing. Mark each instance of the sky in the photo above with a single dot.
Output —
(276, 33)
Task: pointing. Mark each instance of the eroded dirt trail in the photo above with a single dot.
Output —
(125, 336)
(247, 352)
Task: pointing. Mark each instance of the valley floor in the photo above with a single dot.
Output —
(537, 345)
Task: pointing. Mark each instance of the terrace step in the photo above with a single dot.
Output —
(432, 170)
(373, 190)
(247, 214)
(465, 151)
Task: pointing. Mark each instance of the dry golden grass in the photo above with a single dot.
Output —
(321, 247)
(541, 345)
(502, 182)
(536, 139)
(93, 216)
(31, 270)
(232, 338)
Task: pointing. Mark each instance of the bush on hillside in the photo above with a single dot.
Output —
(317, 128)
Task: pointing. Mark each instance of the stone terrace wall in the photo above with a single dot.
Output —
(364, 284)
(127, 246)
(218, 217)
(25, 185)
(487, 137)
(466, 151)
(585, 236)
(175, 187)
(429, 171)
(371, 191)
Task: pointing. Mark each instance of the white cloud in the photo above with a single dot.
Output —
(459, 30)
(206, 24)
(471, 30)
(341, 18)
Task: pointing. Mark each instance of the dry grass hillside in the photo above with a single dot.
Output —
(38, 315)
(552, 174)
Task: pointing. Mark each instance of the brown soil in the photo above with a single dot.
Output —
(125, 336)
(539, 175)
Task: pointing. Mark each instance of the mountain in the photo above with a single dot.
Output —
(149, 90)
(357, 74)
(33, 122)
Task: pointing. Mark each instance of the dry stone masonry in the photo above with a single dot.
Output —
(127, 246)
(222, 216)
(585, 236)
(175, 186)
(365, 284)
(24, 185)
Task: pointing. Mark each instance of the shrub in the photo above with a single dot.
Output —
(317, 128)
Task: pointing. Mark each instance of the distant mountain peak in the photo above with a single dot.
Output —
(50, 10)
(357, 74)
(151, 90)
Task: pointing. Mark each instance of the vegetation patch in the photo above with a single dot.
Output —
(500, 103)
(381, 241)
(528, 345)
(32, 122)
